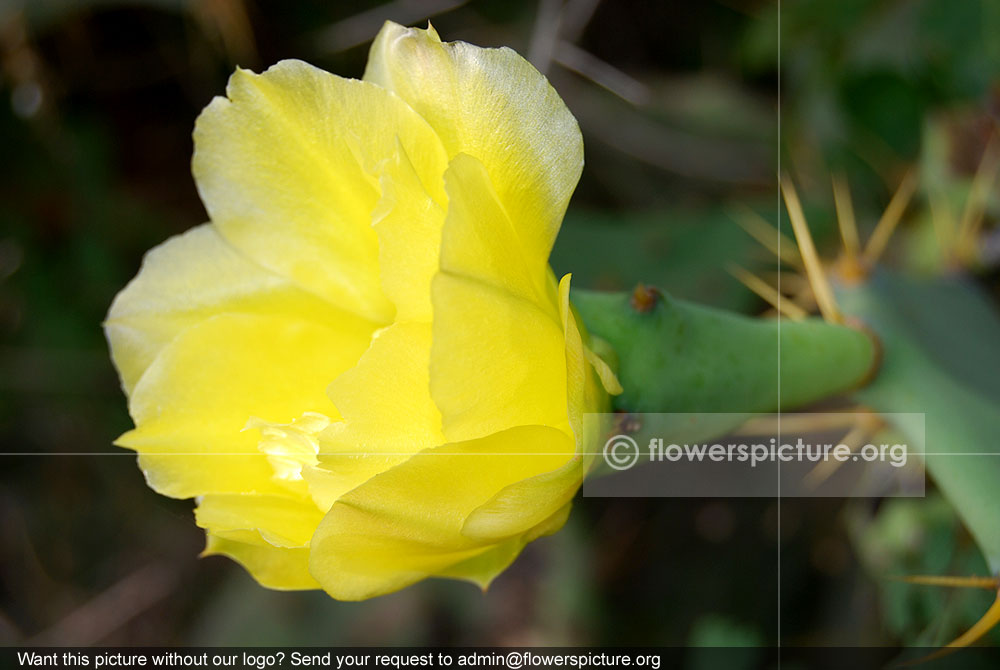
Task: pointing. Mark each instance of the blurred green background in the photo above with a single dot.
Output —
(678, 103)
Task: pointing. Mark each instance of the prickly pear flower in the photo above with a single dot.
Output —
(363, 369)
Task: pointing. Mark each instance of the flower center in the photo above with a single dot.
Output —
(290, 446)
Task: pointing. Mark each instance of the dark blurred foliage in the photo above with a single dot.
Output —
(678, 104)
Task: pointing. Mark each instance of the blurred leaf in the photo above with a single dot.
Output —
(940, 359)
(713, 630)
(883, 105)
(683, 251)
(919, 537)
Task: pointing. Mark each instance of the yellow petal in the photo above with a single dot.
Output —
(526, 504)
(281, 521)
(408, 223)
(288, 169)
(497, 361)
(493, 105)
(388, 413)
(588, 378)
(609, 380)
(197, 396)
(479, 240)
(272, 567)
(385, 399)
(337, 474)
(579, 384)
(484, 568)
(405, 524)
(179, 470)
(552, 524)
(190, 278)
(489, 302)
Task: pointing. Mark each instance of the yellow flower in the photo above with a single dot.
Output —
(363, 368)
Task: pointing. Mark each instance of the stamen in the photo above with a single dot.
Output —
(290, 446)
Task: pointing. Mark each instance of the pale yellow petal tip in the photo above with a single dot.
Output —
(239, 76)
(392, 33)
(125, 440)
(209, 550)
(392, 29)
(290, 66)
(484, 584)
(609, 380)
(564, 306)
(396, 44)
(482, 579)
(271, 567)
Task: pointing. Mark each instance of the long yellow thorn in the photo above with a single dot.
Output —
(791, 424)
(768, 293)
(945, 227)
(804, 297)
(980, 628)
(825, 469)
(814, 270)
(769, 237)
(890, 218)
(969, 637)
(975, 206)
(790, 281)
(845, 216)
(989, 583)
